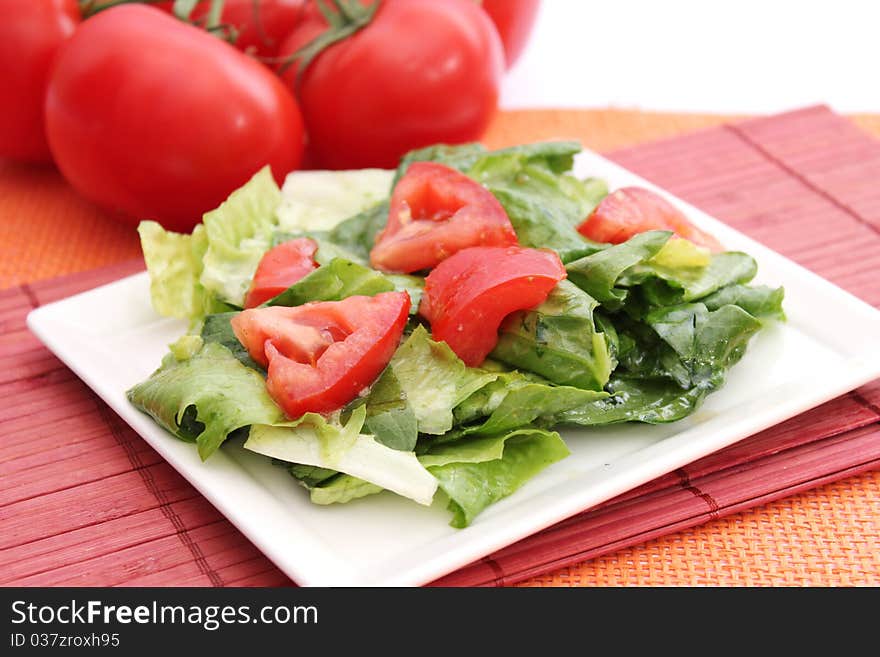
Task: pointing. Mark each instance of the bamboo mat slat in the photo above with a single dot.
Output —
(109, 511)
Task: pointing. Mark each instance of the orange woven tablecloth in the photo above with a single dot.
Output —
(827, 536)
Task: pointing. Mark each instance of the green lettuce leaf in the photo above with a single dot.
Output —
(478, 472)
(174, 262)
(680, 253)
(478, 449)
(597, 274)
(414, 286)
(556, 157)
(358, 233)
(706, 342)
(685, 359)
(461, 157)
(317, 441)
(642, 354)
(653, 401)
(558, 340)
(332, 282)
(329, 486)
(320, 200)
(308, 475)
(239, 233)
(663, 286)
(544, 204)
(390, 417)
(433, 380)
(186, 346)
(512, 401)
(760, 301)
(220, 394)
(217, 328)
(226, 249)
(481, 403)
(341, 489)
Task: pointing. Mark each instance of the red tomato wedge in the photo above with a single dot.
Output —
(469, 294)
(632, 210)
(281, 267)
(320, 355)
(436, 211)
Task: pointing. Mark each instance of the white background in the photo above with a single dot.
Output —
(749, 56)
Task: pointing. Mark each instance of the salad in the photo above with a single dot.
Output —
(427, 330)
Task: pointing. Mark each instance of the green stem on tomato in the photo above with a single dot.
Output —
(345, 18)
(214, 13)
(89, 8)
(181, 9)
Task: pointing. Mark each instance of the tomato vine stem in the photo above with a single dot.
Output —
(345, 18)
(89, 8)
(181, 9)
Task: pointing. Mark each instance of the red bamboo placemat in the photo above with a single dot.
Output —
(112, 512)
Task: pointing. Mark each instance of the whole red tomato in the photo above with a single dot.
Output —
(261, 24)
(421, 72)
(514, 20)
(159, 119)
(30, 33)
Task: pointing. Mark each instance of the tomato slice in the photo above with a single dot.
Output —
(632, 210)
(469, 294)
(320, 355)
(281, 267)
(436, 211)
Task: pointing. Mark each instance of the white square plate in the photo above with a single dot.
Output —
(112, 339)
